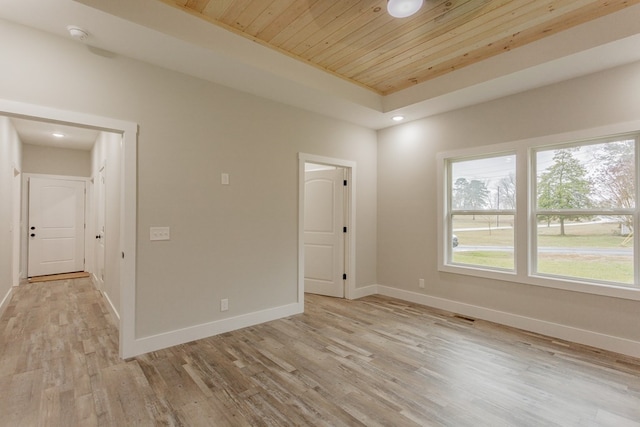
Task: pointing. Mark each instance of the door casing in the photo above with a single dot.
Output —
(129, 345)
(350, 223)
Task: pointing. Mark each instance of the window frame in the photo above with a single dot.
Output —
(536, 211)
(451, 212)
(525, 234)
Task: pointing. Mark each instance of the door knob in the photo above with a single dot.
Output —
(98, 237)
(33, 234)
(33, 228)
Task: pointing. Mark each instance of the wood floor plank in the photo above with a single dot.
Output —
(371, 362)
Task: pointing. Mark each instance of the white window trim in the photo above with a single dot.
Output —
(523, 234)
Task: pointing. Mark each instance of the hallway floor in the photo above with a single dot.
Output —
(375, 361)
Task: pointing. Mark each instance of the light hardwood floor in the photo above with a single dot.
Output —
(375, 361)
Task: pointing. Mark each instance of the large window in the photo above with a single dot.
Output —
(585, 200)
(483, 201)
(548, 214)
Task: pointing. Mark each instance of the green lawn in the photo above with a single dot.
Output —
(607, 268)
(604, 235)
(610, 268)
(594, 267)
(485, 258)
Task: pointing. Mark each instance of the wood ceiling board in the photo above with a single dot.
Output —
(301, 26)
(358, 41)
(215, 9)
(261, 22)
(444, 63)
(470, 38)
(335, 30)
(195, 5)
(458, 38)
(291, 14)
(434, 35)
(386, 43)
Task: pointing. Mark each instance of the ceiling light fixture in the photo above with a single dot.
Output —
(77, 33)
(58, 134)
(403, 8)
(397, 118)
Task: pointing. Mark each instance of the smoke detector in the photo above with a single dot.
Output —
(77, 33)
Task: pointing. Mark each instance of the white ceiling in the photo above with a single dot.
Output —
(151, 31)
(41, 133)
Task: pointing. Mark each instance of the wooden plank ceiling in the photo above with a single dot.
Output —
(359, 41)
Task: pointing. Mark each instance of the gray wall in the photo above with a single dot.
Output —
(407, 210)
(10, 160)
(238, 241)
(55, 161)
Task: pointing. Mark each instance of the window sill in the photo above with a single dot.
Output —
(609, 290)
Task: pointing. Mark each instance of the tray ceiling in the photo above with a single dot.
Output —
(359, 41)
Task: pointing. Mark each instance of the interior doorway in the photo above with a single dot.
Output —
(124, 258)
(326, 232)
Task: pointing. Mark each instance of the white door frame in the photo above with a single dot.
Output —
(16, 221)
(129, 346)
(99, 209)
(350, 246)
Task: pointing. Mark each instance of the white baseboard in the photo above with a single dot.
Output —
(6, 300)
(556, 330)
(112, 309)
(94, 280)
(181, 336)
(365, 291)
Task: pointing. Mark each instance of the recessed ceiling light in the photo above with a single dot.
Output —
(397, 118)
(58, 134)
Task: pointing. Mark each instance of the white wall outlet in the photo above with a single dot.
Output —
(224, 178)
(159, 233)
(224, 304)
(421, 283)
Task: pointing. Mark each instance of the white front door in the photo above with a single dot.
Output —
(323, 232)
(56, 226)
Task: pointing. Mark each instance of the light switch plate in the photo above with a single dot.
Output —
(224, 178)
(159, 233)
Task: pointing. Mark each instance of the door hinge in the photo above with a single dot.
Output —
(344, 182)
(344, 276)
(344, 229)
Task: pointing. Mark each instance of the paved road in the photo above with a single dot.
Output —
(509, 227)
(552, 250)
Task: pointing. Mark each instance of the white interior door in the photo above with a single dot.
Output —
(100, 188)
(323, 232)
(56, 226)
